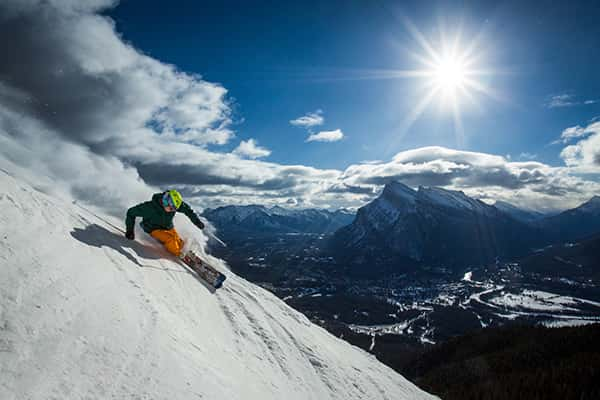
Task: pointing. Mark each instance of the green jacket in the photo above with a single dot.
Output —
(154, 215)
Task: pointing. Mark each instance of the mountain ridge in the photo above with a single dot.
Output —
(238, 221)
(430, 225)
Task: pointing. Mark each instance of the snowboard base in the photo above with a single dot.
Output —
(207, 272)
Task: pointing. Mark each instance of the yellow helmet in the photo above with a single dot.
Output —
(176, 198)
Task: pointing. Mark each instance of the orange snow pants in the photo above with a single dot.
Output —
(170, 239)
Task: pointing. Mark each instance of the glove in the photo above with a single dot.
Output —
(200, 225)
(130, 235)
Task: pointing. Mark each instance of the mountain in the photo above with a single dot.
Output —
(431, 226)
(517, 213)
(576, 261)
(575, 223)
(257, 220)
(88, 314)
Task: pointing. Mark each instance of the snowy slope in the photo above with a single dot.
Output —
(450, 199)
(518, 213)
(87, 314)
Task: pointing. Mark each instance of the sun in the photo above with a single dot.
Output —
(450, 75)
(450, 72)
(447, 71)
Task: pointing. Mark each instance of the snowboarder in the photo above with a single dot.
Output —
(157, 219)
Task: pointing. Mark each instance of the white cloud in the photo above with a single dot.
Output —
(249, 149)
(530, 184)
(67, 169)
(528, 156)
(566, 100)
(560, 100)
(326, 136)
(309, 120)
(585, 153)
(577, 131)
(72, 87)
(111, 125)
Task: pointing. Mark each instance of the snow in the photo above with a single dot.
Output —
(395, 201)
(565, 323)
(386, 329)
(87, 314)
(445, 299)
(398, 190)
(449, 198)
(517, 213)
(539, 301)
(383, 213)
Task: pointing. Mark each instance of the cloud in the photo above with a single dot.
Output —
(560, 100)
(84, 82)
(67, 169)
(72, 83)
(87, 113)
(530, 183)
(249, 149)
(309, 120)
(326, 136)
(528, 156)
(577, 131)
(565, 100)
(585, 153)
(314, 119)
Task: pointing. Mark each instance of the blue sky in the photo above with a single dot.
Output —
(282, 60)
(210, 98)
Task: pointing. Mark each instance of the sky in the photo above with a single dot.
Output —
(302, 104)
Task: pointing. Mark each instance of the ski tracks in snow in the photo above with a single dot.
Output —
(299, 357)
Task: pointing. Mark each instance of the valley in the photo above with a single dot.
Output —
(425, 304)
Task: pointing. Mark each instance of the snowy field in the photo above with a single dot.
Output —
(537, 300)
(86, 314)
(560, 310)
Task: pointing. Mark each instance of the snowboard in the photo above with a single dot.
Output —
(205, 271)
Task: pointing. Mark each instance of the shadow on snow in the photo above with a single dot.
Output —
(98, 236)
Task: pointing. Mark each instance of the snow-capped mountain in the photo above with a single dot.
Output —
(518, 213)
(260, 220)
(575, 223)
(430, 225)
(85, 313)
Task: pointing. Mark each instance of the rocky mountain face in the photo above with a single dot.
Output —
(260, 220)
(432, 226)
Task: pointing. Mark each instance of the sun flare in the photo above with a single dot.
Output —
(450, 74)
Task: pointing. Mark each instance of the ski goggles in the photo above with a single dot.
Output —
(168, 203)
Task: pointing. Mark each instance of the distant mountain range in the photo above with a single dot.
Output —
(575, 223)
(447, 228)
(258, 220)
(430, 226)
